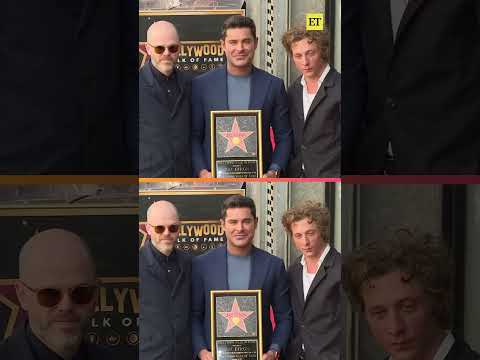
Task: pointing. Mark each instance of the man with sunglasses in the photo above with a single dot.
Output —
(164, 107)
(165, 277)
(57, 287)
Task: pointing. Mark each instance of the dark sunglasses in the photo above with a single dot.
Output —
(160, 49)
(160, 229)
(79, 295)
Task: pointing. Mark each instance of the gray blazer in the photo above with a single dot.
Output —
(319, 321)
(317, 140)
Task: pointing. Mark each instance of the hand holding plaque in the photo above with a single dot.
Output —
(236, 147)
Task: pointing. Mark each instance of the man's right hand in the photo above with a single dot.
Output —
(204, 173)
(204, 354)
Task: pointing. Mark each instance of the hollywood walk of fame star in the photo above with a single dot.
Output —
(235, 137)
(236, 317)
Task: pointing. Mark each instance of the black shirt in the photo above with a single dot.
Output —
(169, 85)
(169, 264)
(41, 352)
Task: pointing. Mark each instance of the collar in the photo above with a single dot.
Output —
(43, 352)
(162, 257)
(161, 76)
(443, 349)
(320, 261)
(320, 80)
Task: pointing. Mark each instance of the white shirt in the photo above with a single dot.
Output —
(308, 98)
(308, 277)
(444, 347)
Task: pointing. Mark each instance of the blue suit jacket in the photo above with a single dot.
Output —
(209, 272)
(209, 92)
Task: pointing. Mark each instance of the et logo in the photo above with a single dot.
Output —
(315, 21)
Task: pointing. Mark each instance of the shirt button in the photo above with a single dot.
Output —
(390, 103)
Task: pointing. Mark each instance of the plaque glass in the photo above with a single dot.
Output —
(236, 324)
(236, 149)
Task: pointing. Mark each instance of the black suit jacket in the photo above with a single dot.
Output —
(460, 351)
(423, 90)
(318, 321)
(317, 139)
(17, 347)
(165, 322)
(164, 136)
(68, 87)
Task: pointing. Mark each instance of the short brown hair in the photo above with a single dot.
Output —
(238, 21)
(297, 33)
(238, 201)
(423, 258)
(314, 211)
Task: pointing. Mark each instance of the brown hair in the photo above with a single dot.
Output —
(297, 33)
(314, 211)
(423, 258)
(238, 21)
(238, 201)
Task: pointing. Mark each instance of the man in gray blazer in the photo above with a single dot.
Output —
(315, 287)
(314, 106)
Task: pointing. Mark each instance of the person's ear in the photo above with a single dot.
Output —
(22, 296)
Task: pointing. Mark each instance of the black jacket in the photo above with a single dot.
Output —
(164, 136)
(317, 140)
(165, 322)
(423, 90)
(17, 347)
(319, 320)
(68, 87)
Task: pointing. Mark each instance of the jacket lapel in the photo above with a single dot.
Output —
(181, 84)
(298, 282)
(321, 273)
(155, 87)
(412, 8)
(154, 266)
(258, 271)
(321, 93)
(86, 14)
(258, 90)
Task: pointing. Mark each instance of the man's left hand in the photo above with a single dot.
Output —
(271, 174)
(270, 355)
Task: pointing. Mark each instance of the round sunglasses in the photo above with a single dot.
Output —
(79, 295)
(160, 49)
(160, 229)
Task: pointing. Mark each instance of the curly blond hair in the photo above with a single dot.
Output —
(313, 211)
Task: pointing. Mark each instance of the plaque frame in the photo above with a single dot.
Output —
(213, 141)
(214, 294)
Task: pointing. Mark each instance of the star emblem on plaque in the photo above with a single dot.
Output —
(236, 322)
(236, 149)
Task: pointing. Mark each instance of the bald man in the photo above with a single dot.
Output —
(165, 278)
(164, 107)
(57, 287)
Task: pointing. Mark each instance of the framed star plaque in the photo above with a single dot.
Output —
(236, 143)
(236, 324)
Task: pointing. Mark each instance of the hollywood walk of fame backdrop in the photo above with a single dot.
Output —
(108, 230)
(199, 32)
(236, 324)
(236, 148)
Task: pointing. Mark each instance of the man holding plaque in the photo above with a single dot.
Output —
(165, 276)
(240, 266)
(236, 87)
(315, 286)
(314, 106)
